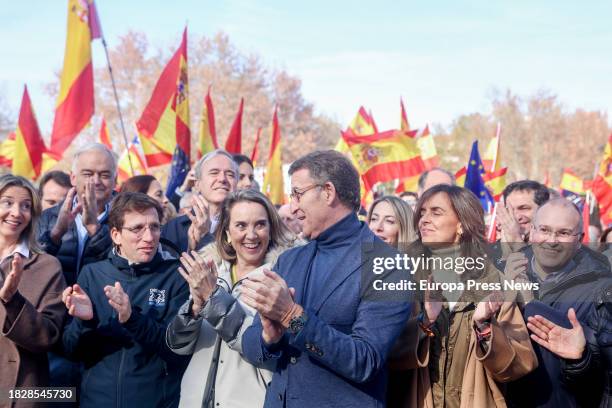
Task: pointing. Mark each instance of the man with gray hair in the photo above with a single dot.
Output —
(329, 342)
(216, 176)
(433, 177)
(75, 231)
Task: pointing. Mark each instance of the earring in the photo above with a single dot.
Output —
(229, 240)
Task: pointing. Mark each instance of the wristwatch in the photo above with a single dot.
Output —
(297, 323)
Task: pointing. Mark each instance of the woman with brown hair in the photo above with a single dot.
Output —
(31, 284)
(150, 186)
(465, 341)
(249, 239)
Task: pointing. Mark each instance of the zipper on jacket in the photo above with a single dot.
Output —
(119, 377)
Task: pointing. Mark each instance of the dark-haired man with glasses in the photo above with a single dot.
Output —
(571, 278)
(121, 307)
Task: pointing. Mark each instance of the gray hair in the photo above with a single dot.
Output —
(561, 203)
(332, 166)
(97, 147)
(424, 175)
(210, 155)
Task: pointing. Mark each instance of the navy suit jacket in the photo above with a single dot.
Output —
(338, 359)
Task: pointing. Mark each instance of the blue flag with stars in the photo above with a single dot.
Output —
(474, 181)
(178, 172)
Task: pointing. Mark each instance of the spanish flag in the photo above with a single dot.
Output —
(164, 123)
(75, 101)
(460, 176)
(427, 148)
(496, 182)
(7, 151)
(571, 183)
(492, 158)
(255, 152)
(361, 125)
(208, 134)
(131, 163)
(602, 185)
(404, 125)
(29, 145)
(384, 157)
(104, 135)
(273, 179)
(233, 144)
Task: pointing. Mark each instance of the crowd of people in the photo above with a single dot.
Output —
(213, 297)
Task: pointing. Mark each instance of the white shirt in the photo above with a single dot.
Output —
(21, 248)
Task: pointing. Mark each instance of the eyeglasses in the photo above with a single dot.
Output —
(297, 194)
(562, 235)
(139, 230)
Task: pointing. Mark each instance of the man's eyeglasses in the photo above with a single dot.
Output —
(297, 194)
(562, 235)
(139, 230)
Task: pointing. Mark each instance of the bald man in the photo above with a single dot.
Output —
(570, 278)
(434, 177)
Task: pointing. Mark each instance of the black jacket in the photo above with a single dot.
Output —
(175, 231)
(96, 247)
(129, 364)
(558, 382)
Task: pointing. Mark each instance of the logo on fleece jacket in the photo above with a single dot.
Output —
(157, 297)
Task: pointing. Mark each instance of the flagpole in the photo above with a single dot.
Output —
(110, 71)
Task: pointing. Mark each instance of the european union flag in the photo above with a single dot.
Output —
(474, 181)
(178, 172)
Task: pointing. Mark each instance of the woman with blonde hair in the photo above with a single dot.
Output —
(462, 344)
(390, 219)
(250, 237)
(31, 284)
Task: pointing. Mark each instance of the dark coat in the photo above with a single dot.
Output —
(338, 358)
(31, 323)
(175, 231)
(129, 364)
(558, 382)
(96, 247)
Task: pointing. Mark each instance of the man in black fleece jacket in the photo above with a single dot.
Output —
(121, 307)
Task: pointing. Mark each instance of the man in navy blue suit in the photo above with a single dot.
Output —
(328, 337)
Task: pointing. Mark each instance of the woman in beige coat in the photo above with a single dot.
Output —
(249, 239)
(462, 344)
(31, 284)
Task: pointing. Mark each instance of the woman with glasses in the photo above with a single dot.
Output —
(466, 341)
(31, 283)
(248, 241)
(121, 308)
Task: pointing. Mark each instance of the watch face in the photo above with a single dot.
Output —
(296, 324)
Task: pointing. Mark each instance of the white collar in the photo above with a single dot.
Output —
(21, 248)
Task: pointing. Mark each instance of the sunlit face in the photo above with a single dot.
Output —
(308, 207)
(53, 194)
(384, 223)
(139, 238)
(15, 212)
(289, 219)
(555, 236)
(246, 177)
(438, 222)
(217, 179)
(523, 207)
(97, 166)
(156, 192)
(249, 232)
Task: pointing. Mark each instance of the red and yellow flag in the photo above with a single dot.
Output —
(602, 185)
(233, 144)
(460, 176)
(492, 158)
(133, 154)
(29, 145)
(427, 147)
(75, 101)
(7, 151)
(384, 157)
(104, 135)
(273, 179)
(404, 125)
(496, 182)
(164, 123)
(208, 134)
(361, 125)
(255, 152)
(571, 183)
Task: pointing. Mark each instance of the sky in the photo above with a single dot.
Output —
(443, 57)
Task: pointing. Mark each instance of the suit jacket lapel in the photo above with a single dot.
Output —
(296, 277)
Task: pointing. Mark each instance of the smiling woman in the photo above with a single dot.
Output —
(31, 282)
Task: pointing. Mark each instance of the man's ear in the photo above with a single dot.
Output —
(329, 192)
(73, 179)
(115, 236)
